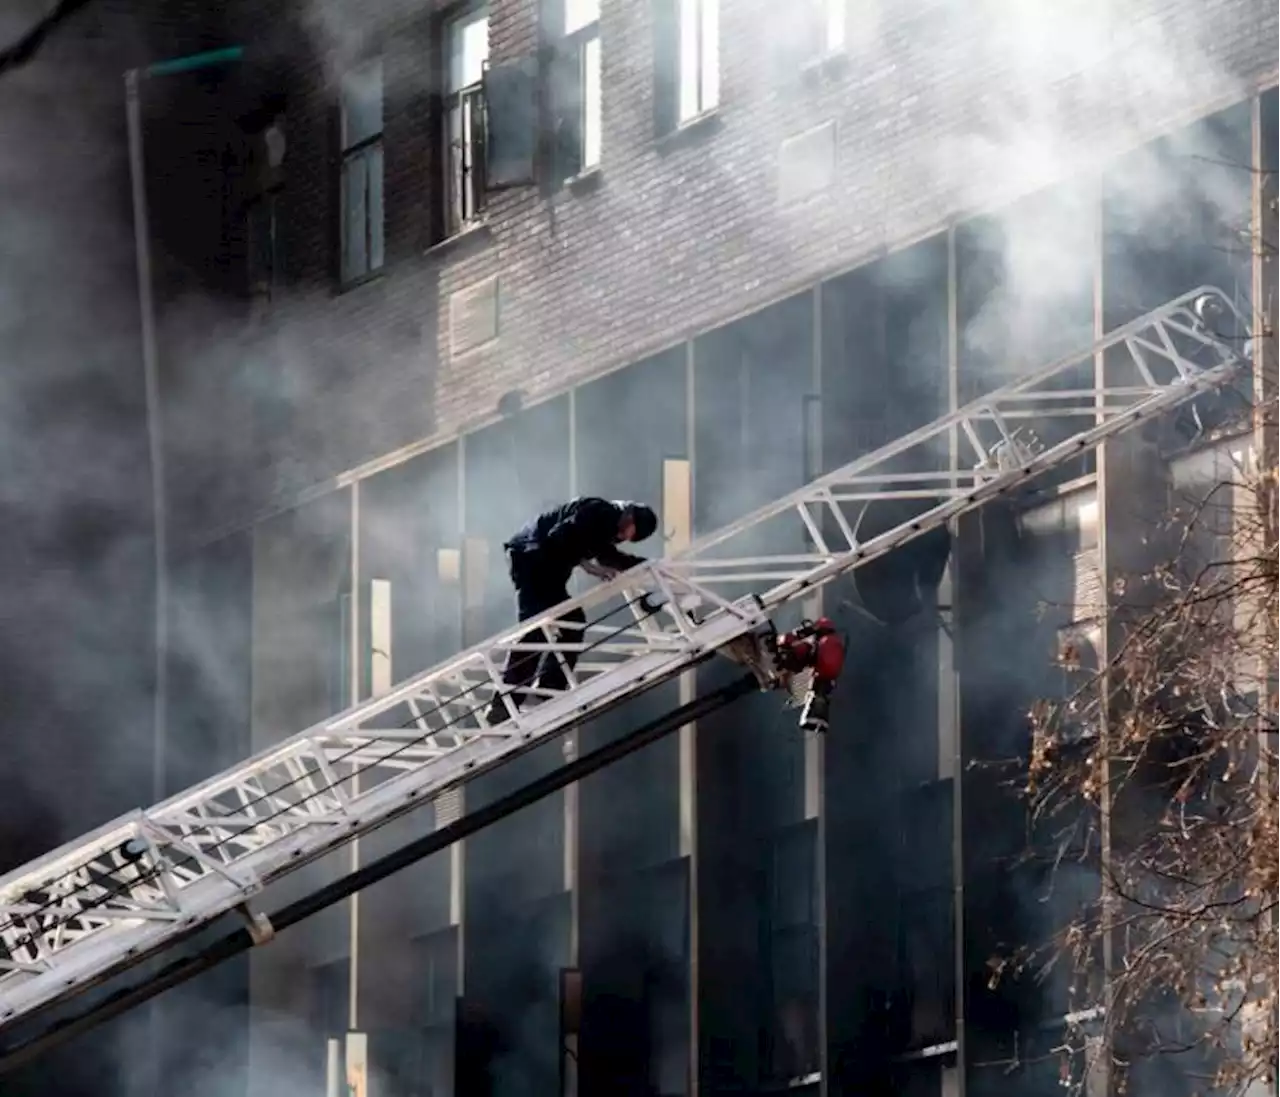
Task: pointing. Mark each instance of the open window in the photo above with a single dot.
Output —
(466, 43)
(491, 119)
(686, 61)
(495, 116)
(512, 101)
(574, 91)
(360, 124)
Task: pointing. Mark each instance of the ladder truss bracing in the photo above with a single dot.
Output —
(97, 905)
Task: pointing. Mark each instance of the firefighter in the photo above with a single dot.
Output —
(584, 532)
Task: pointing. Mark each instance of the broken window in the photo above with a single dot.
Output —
(466, 58)
(924, 995)
(792, 1037)
(1078, 647)
(687, 61)
(362, 172)
(575, 90)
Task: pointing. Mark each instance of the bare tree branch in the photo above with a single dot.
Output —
(1189, 891)
(25, 48)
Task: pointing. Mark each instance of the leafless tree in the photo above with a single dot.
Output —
(27, 45)
(1162, 764)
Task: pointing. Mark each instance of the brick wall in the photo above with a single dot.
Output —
(938, 108)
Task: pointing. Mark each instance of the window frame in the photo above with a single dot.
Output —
(363, 152)
(700, 52)
(834, 16)
(468, 102)
(268, 202)
(1077, 646)
(261, 211)
(577, 42)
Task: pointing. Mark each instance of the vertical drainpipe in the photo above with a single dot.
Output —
(457, 851)
(1263, 288)
(957, 761)
(159, 515)
(151, 374)
(572, 807)
(572, 747)
(155, 441)
(815, 745)
(1105, 638)
(355, 691)
(688, 762)
(155, 436)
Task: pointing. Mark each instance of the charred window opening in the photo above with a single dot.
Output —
(792, 1041)
(362, 219)
(1077, 656)
(327, 992)
(922, 1004)
(262, 231)
(264, 131)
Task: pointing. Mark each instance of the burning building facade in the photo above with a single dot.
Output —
(424, 270)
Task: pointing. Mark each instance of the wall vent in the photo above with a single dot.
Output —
(806, 163)
(448, 807)
(473, 316)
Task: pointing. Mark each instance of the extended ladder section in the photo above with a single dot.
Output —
(138, 885)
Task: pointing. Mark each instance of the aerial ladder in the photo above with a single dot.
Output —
(140, 885)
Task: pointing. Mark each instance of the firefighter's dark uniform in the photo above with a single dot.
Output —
(541, 558)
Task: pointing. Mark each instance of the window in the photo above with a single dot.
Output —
(575, 90)
(699, 57)
(361, 137)
(467, 55)
(828, 18)
(792, 1032)
(266, 145)
(687, 56)
(1078, 646)
(810, 39)
(263, 247)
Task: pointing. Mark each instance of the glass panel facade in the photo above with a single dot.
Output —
(815, 380)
